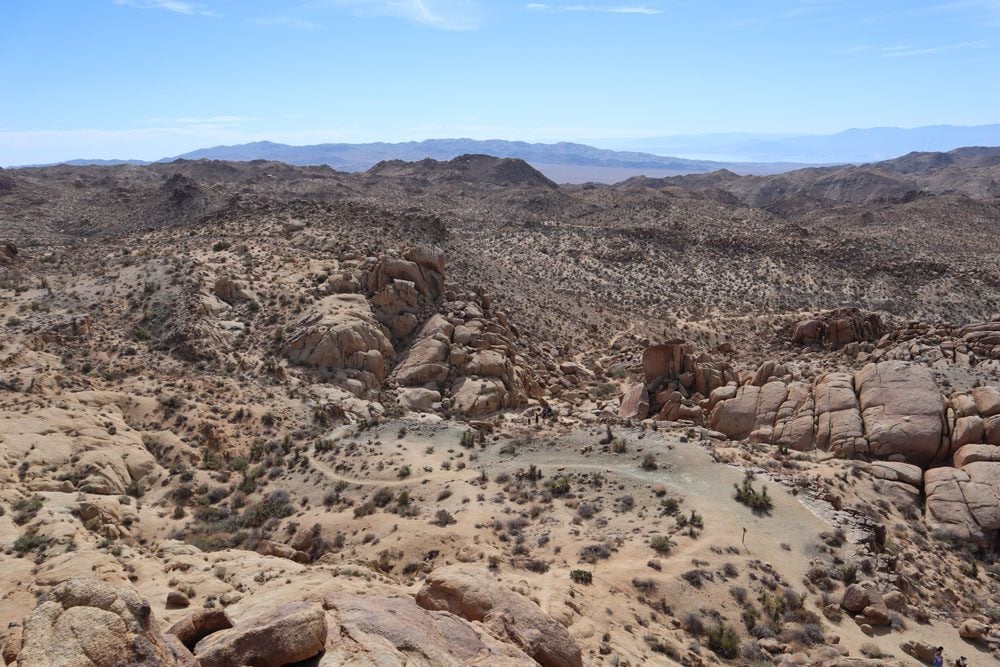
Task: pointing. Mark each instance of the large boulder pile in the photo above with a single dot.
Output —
(342, 336)
(475, 596)
(86, 622)
(966, 345)
(838, 328)
(677, 383)
(391, 321)
(892, 410)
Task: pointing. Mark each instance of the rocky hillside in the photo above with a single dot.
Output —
(453, 413)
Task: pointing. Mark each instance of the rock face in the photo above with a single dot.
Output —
(342, 335)
(474, 596)
(903, 412)
(839, 427)
(888, 410)
(681, 382)
(86, 622)
(290, 633)
(838, 328)
(635, 403)
(196, 626)
(395, 631)
(965, 501)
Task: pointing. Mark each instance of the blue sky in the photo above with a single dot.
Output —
(150, 78)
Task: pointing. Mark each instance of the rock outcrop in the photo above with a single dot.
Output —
(342, 335)
(838, 328)
(196, 626)
(903, 411)
(86, 622)
(474, 596)
(395, 631)
(287, 634)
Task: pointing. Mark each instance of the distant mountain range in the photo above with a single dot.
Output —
(565, 162)
(849, 146)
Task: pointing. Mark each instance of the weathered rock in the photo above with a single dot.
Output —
(859, 596)
(87, 622)
(975, 453)
(903, 412)
(473, 595)
(231, 291)
(177, 599)
(968, 430)
(920, 650)
(987, 400)
(839, 426)
(290, 633)
(417, 399)
(635, 403)
(478, 397)
(973, 629)
(966, 501)
(342, 333)
(793, 424)
(395, 631)
(196, 626)
(838, 328)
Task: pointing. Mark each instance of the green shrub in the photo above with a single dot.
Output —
(30, 542)
(582, 576)
(724, 640)
(758, 501)
(559, 486)
(661, 544)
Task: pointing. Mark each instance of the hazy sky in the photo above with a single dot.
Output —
(151, 78)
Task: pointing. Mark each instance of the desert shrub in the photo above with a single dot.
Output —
(697, 577)
(648, 462)
(25, 509)
(559, 486)
(619, 446)
(382, 497)
(30, 542)
(276, 505)
(657, 645)
(364, 510)
(536, 565)
(443, 518)
(723, 640)
(594, 552)
(586, 511)
(582, 576)
(644, 585)
(759, 501)
(693, 625)
(661, 544)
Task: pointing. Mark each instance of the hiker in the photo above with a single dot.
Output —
(938, 657)
(961, 662)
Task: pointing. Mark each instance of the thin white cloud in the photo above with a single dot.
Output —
(285, 22)
(442, 14)
(909, 51)
(177, 6)
(618, 9)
